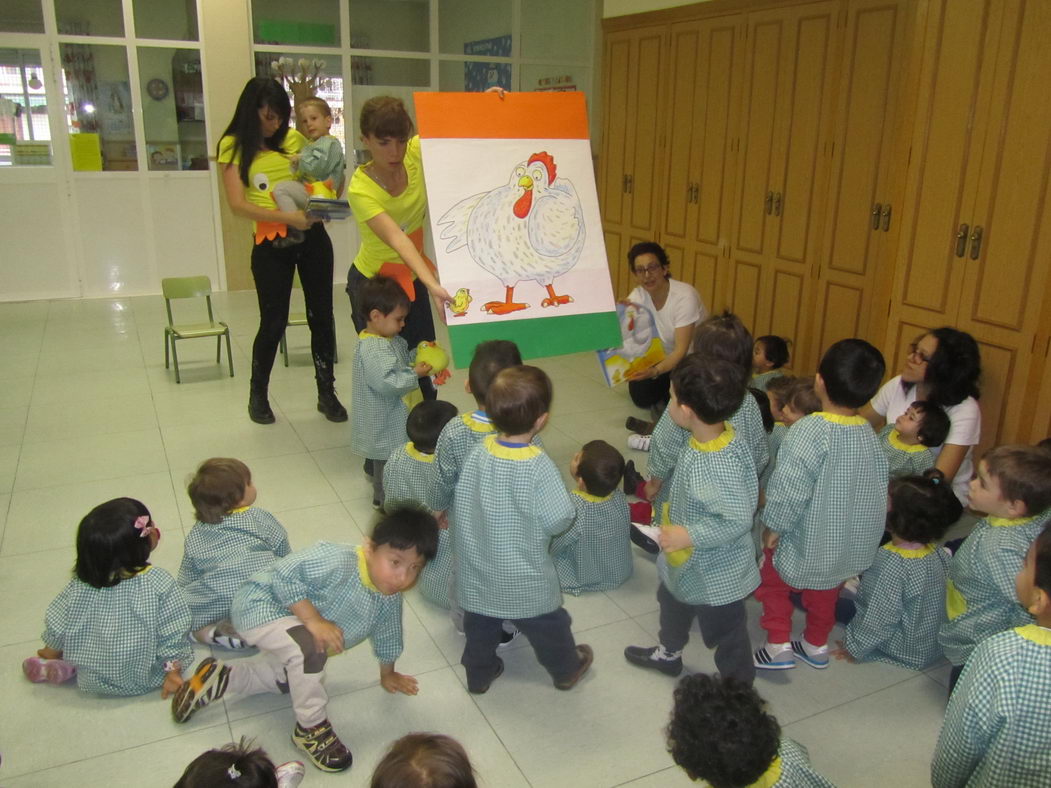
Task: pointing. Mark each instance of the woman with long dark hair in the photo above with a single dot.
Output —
(253, 156)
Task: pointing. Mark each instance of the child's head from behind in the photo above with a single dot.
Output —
(1033, 582)
(220, 485)
(777, 391)
(316, 115)
(711, 388)
(238, 765)
(850, 373)
(1012, 481)
(385, 305)
(800, 400)
(114, 541)
(770, 352)
(720, 731)
(922, 508)
(724, 336)
(489, 358)
(424, 760)
(519, 399)
(426, 421)
(599, 466)
(401, 543)
(925, 422)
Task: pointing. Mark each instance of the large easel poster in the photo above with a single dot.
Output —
(515, 221)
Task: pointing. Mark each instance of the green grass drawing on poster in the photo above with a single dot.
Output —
(539, 337)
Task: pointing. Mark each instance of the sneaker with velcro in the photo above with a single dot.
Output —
(766, 658)
(323, 747)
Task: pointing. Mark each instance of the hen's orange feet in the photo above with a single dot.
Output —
(503, 307)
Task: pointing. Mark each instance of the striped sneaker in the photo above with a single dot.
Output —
(323, 747)
(207, 683)
(814, 656)
(768, 658)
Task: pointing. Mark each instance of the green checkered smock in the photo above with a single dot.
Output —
(903, 459)
(980, 595)
(827, 499)
(713, 494)
(120, 637)
(455, 442)
(791, 769)
(900, 606)
(774, 439)
(335, 578)
(763, 380)
(510, 502)
(407, 476)
(219, 557)
(382, 375)
(595, 553)
(997, 729)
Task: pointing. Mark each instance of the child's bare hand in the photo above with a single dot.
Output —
(674, 537)
(443, 519)
(651, 488)
(328, 638)
(399, 682)
(840, 652)
(422, 369)
(172, 681)
(48, 653)
(770, 539)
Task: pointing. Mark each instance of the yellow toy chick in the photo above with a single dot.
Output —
(460, 302)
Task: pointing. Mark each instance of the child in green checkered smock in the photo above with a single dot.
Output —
(997, 729)
(384, 373)
(900, 602)
(909, 441)
(231, 541)
(769, 355)
(595, 553)
(1013, 486)
(120, 625)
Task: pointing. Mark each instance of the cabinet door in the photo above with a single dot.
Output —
(616, 102)
(853, 285)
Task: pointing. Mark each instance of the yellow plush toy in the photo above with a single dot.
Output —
(434, 354)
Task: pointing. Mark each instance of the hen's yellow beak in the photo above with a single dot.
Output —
(525, 182)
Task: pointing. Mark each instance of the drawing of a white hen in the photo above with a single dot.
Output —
(532, 228)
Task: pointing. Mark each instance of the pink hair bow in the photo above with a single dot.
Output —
(144, 524)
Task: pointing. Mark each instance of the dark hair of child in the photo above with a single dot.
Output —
(424, 760)
(217, 487)
(780, 386)
(322, 105)
(109, 547)
(775, 349)
(406, 528)
(1045, 444)
(383, 294)
(720, 731)
(762, 399)
(238, 765)
(385, 117)
(934, 428)
(802, 397)
(517, 397)
(724, 336)
(601, 467)
(1042, 559)
(922, 507)
(712, 388)
(1024, 474)
(245, 127)
(954, 369)
(852, 370)
(489, 358)
(426, 421)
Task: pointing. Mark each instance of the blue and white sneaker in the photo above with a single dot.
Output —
(814, 656)
(774, 658)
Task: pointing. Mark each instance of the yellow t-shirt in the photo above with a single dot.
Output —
(368, 199)
(268, 168)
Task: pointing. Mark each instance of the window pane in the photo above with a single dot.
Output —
(98, 106)
(166, 19)
(458, 75)
(21, 16)
(572, 35)
(381, 24)
(329, 85)
(555, 77)
(304, 23)
(24, 130)
(97, 18)
(475, 27)
(389, 77)
(173, 108)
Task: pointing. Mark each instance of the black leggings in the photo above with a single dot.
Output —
(651, 391)
(273, 271)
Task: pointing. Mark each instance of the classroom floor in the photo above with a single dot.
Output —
(88, 412)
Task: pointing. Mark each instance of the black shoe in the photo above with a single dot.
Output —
(481, 689)
(259, 408)
(632, 478)
(654, 658)
(639, 426)
(641, 540)
(507, 638)
(367, 467)
(330, 406)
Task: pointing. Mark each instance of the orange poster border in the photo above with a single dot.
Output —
(544, 115)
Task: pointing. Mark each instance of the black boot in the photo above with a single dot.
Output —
(259, 406)
(328, 404)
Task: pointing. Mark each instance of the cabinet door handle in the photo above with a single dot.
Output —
(769, 203)
(875, 215)
(886, 217)
(697, 193)
(961, 239)
(631, 184)
(624, 184)
(777, 204)
(976, 242)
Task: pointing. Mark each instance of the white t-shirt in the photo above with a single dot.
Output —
(965, 426)
(683, 307)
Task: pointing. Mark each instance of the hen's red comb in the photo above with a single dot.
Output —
(548, 161)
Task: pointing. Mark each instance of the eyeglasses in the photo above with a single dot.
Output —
(652, 268)
(914, 352)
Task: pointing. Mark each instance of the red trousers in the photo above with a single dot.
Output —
(773, 593)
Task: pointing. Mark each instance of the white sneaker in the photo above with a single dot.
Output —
(639, 442)
(290, 774)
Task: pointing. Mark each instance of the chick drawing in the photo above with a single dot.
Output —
(460, 302)
(531, 228)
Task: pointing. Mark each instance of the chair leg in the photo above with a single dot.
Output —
(175, 360)
(284, 347)
(229, 353)
(166, 349)
(218, 349)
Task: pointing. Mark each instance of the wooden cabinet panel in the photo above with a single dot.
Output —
(643, 154)
(616, 96)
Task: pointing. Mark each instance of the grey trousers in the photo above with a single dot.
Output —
(723, 628)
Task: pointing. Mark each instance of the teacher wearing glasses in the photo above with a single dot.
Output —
(942, 367)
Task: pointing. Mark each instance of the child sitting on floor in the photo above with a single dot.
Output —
(769, 355)
(900, 602)
(408, 473)
(595, 553)
(230, 542)
(424, 759)
(909, 440)
(240, 766)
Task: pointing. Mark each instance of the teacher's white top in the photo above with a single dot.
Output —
(683, 307)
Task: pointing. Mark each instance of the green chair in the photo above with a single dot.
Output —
(193, 287)
(300, 319)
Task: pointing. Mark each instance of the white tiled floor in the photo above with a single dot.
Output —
(88, 412)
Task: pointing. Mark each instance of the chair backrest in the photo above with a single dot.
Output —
(187, 287)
